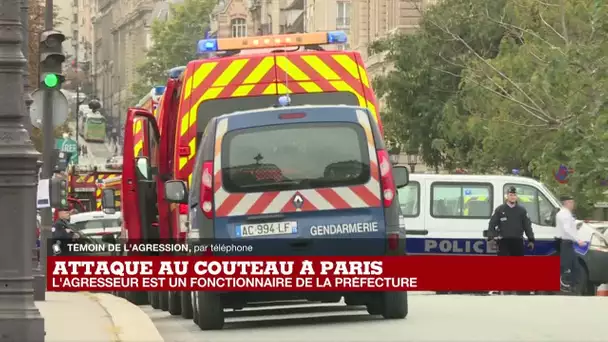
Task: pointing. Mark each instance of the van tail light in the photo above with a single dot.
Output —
(393, 242)
(387, 182)
(183, 209)
(206, 199)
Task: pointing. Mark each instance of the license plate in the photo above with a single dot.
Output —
(266, 229)
(84, 190)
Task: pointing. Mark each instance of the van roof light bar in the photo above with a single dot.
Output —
(276, 41)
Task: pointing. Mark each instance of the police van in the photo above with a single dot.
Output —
(301, 180)
(447, 215)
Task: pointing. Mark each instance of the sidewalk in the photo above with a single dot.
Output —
(94, 317)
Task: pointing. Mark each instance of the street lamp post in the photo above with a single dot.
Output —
(412, 160)
(19, 318)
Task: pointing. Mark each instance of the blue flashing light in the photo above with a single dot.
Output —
(515, 172)
(159, 90)
(176, 72)
(284, 101)
(207, 45)
(336, 37)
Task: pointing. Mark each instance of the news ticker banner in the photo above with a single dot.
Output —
(314, 273)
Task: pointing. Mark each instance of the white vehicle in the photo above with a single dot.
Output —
(447, 215)
(96, 224)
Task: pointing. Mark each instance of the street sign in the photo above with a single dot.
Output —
(68, 145)
(60, 108)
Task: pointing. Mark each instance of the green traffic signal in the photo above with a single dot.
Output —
(51, 80)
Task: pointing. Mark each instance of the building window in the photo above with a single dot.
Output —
(343, 18)
(239, 27)
(461, 200)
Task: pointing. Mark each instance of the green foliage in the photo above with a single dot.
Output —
(174, 43)
(37, 135)
(497, 85)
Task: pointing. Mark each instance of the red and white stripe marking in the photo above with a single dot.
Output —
(351, 197)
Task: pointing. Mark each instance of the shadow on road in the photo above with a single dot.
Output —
(300, 321)
(268, 317)
(292, 311)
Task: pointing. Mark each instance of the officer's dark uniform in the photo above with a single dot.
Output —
(507, 226)
(61, 237)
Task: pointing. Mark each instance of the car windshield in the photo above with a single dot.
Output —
(310, 155)
(97, 224)
(601, 228)
(550, 194)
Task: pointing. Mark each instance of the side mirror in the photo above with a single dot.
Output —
(108, 238)
(401, 175)
(143, 166)
(108, 199)
(176, 191)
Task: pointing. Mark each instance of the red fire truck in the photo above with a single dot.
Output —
(84, 185)
(162, 147)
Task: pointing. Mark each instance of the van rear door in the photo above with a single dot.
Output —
(299, 181)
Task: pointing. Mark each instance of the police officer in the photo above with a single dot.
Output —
(568, 239)
(507, 226)
(62, 234)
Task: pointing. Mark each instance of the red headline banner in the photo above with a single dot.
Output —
(410, 273)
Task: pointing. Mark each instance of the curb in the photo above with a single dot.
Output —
(130, 323)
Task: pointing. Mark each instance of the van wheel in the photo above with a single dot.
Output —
(137, 298)
(374, 309)
(394, 305)
(194, 303)
(186, 305)
(210, 311)
(163, 301)
(175, 304)
(154, 299)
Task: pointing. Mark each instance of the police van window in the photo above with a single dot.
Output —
(459, 200)
(216, 107)
(409, 199)
(538, 205)
(312, 155)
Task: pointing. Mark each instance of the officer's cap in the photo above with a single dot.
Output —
(565, 198)
(512, 190)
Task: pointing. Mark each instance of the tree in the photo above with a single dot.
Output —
(493, 87)
(174, 43)
(427, 66)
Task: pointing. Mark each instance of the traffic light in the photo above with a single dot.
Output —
(60, 160)
(59, 193)
(51, 59)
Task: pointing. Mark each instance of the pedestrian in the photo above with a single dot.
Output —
(567, 236)
(62, 234)
(508, 225)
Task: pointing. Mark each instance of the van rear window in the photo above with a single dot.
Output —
(294, 156)
(216, 107)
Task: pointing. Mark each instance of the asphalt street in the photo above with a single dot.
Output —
(98, 152)
(431, 318)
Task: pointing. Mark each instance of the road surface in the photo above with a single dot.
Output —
(431, 318)
(98, 152)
